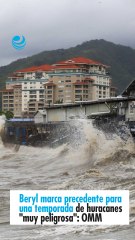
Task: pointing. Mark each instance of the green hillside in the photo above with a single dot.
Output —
(120, 58)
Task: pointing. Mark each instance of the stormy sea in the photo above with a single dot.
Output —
(90, 161)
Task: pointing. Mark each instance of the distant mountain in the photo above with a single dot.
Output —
(120, 58)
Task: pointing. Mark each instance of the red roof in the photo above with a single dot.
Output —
(30, 69)
(80, 60)
(69, 64)
(45, 67)
(6, 90)
(36, 68)
(49, 84)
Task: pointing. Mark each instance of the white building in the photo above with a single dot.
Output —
(40, 117)
(32, 82)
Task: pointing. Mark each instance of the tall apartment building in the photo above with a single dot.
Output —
(7, 100)
(77, 79)
(70, 81)
(31, 81)
(12, 100)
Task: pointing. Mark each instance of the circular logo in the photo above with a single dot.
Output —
(18, 42)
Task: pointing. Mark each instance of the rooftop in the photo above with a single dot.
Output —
(80, 60)
(66, 64)
(6, 90)
(44, 67)
(30, 69)
(49, 84)
(129, 88)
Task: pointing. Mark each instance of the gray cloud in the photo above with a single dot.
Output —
(52, 24)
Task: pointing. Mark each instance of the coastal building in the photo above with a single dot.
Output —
(31, 82)
(12, 100)
(77, 79)
(7, 100)
(70, 81)
(118, 107)
(40, 117)
(129, 111)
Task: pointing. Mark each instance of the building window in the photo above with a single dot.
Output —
(85, 86)
(78, 86)
(78, 96)
(68, 80)
(61, 81)
(34, 96)
(78, 91)
(32, 92)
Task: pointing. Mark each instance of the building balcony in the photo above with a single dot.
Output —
(32, 109)
(5, 98)
(31, 104)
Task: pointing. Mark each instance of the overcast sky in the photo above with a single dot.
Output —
(53, 24)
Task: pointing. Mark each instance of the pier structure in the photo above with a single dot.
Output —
(122, 107)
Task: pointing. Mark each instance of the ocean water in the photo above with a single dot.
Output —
(90, 161)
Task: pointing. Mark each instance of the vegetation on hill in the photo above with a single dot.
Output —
(120, 58)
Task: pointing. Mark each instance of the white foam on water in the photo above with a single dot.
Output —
(93, 144)
(65, 167)
(2, 123)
